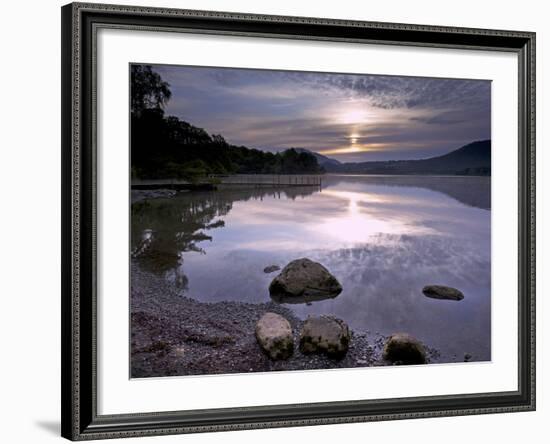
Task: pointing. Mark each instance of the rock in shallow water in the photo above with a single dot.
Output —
(325, 334)
(271, 268)
(274, 335)
(304, 278)
(442, 292)
(402, 348)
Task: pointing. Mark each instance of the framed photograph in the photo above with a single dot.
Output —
(280, 221)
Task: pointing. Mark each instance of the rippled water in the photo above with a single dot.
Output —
(383, 237)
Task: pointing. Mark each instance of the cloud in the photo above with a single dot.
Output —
(356, 117)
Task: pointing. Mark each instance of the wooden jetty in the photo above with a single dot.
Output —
(212, 181)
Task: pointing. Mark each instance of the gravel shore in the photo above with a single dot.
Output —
(174, 335)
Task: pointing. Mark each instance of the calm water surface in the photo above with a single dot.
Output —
(383, 237)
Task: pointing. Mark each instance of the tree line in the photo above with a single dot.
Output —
(167, 147)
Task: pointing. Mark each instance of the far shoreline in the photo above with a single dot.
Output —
(210, 180)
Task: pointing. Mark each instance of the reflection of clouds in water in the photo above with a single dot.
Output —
(363, 219)
(469, 190)
(272, 209)
(383, 238)
(427, 256)
(382, 282)
(336, 218)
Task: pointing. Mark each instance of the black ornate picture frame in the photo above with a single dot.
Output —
(80, 22)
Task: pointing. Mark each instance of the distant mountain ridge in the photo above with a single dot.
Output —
(321, 160)
(472, 159)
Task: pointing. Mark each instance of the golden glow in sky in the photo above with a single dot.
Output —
(354, 148)
(353, 116)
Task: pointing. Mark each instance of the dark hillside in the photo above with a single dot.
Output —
(472, 159)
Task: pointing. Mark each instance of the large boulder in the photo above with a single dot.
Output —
(325, 334)
(442, 292)
(274, 335)
(303, 279)
(402, 348)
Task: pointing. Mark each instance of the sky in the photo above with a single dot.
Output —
(351, 118)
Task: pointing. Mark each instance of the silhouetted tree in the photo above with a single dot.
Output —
(148, 90)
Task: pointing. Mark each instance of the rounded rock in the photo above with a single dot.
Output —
(442, 292)
(304, 278)
(325, 334)
(402, 348)
(274, 334)
(271, 269)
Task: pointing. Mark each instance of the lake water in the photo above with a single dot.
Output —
(383, 237)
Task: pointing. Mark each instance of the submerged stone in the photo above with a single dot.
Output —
(303, 279)
(442, 292)
(271, 268)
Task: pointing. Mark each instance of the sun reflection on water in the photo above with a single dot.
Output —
(363, 219)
